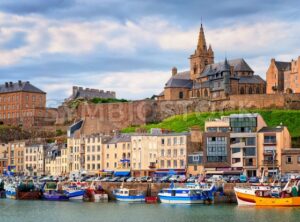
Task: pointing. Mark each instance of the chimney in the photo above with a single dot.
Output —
(20, 83)
(6, 84)
(11, 84)
(272, 60)
(174, 71)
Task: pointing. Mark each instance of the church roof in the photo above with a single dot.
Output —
(180, 80)
(283, 66)
(19, 87)
(255, 79)
(238, 65)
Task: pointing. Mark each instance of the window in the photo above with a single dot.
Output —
(162, 163)
(298, 159)
(175, 153)
(162, 141)
(175, 163)
(162, 152)
(242, 90)
(98, 148)
(181, 163)
(289, 160)
(236, 150)
(180, 95)
(250, 141)
(169, 152)
(181, 152)
(250, 90)
(169, 163)
(174, 140)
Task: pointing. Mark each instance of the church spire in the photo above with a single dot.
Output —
(201, 47)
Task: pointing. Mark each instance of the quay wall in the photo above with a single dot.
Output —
(152, 189)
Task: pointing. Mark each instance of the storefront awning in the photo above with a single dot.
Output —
(122, 173)
(169, 172)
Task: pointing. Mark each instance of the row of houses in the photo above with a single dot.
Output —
(235, 144)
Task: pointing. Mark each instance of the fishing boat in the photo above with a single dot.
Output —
(2, 190)
(128, 195)
(27, 190)
(54, 193)
(75, 191)
(270, 196)
(190, 194)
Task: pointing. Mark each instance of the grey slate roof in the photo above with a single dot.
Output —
(271, 129)
(255, 79)
(180, 80)
(119, 138)
(238, 65)
(19, 87)
(283, 66)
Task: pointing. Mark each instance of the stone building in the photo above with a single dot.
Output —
(209, 80)
(22, 103)
(283, 77)
(87, 93)
(290, 161)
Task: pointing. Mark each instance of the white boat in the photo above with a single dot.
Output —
(190, 194)
(128, 195)
(11, 190)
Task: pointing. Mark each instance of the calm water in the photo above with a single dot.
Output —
(15, 211)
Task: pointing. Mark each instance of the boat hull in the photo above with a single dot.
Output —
(76, 195)
(140, 198)
(32, 195)
(250, 199)
(180, 200)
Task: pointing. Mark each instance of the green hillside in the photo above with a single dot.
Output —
(180, 123)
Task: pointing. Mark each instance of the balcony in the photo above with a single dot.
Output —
(270, 162)
(238, 145)
(270, 142)
(152, 166)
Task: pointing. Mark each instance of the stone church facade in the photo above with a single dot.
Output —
(283, 77)
(209, 80)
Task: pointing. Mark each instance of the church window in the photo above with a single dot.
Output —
(242, 90)
(180, 95)
(205, 93)
(250, 90)
(257, 90)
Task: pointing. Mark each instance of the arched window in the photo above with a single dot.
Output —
(250, 90)
(257, 90)
(198, 93)
(242, 90)
(180, 95)
(205, 93)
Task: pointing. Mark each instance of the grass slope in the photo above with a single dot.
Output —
(180, 123)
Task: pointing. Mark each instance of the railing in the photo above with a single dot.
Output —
(269, 141)
(270, 162)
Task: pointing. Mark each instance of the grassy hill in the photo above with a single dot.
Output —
(180, 123)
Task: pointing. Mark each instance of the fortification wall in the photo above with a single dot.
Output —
(119, 115)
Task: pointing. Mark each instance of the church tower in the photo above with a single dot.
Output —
(201, 57)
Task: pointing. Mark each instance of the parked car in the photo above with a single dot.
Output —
(131, 179)
(192, 179)
(235, 179)
(214, 178)
(226, 179)
(105, 179)
(165, 179)
(243, 179)
(146, 179)
(253, 180)
(114, 179)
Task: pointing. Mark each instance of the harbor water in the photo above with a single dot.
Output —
(43, 211)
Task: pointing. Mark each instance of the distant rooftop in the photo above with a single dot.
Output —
(19, 86)
(271, 129)
(243, 115)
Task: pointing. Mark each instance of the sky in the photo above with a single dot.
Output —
(130, 46)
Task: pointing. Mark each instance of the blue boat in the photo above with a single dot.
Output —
(52, 193)
(11, 191)
(129, 195)
(190, 194)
